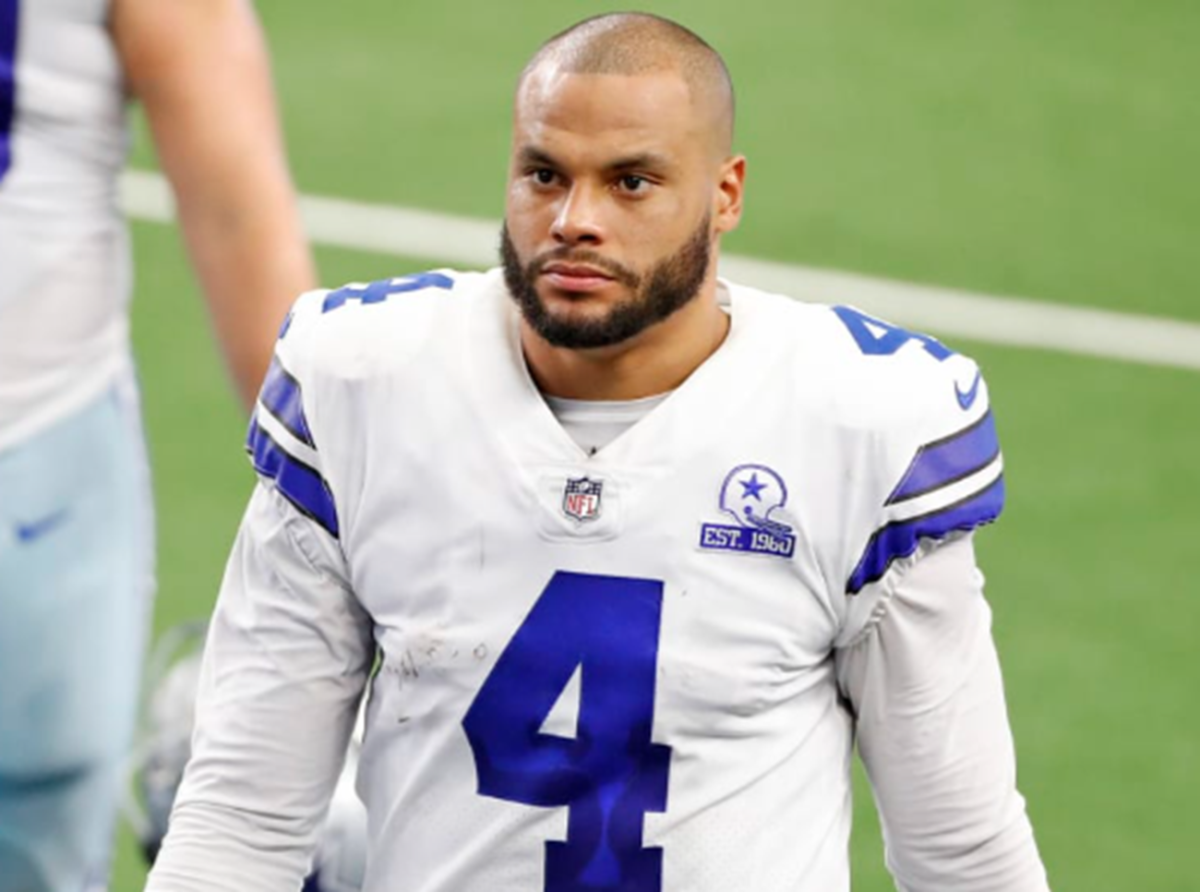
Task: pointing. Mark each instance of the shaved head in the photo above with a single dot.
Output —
(621, 183)
(630, 44)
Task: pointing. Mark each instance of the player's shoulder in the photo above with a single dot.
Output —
(899, 377)
(903, 422)
(362, 328)
(341, 341)
(867, 373)
(917, 415)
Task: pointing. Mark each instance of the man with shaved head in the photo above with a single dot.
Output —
(624, 555)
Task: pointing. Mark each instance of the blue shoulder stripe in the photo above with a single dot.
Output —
(281, 397)
(899, 539)
(949, 460)
(10, 21)
(296, 481)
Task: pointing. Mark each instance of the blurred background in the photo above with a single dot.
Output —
(1046, 151)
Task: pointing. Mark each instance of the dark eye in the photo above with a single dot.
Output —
(633, 183)
(543, 176)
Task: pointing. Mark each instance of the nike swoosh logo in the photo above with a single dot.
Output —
(966, 400)
(31, 532)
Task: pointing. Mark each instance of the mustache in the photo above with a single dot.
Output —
(618, 272)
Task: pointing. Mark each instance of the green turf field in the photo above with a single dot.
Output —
(1041, 150)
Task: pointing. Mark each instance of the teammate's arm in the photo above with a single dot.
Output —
(200, 69)
(934, 735)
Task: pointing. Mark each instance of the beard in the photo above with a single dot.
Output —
(668, 286)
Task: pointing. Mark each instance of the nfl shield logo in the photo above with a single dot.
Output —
(581, 498)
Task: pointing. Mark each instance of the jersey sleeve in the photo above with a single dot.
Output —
(927, 466)
(286, 660)
(933, 733)
(952, 482)
(914, 656)
(280, 441)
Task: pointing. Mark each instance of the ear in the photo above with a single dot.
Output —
(727, 210)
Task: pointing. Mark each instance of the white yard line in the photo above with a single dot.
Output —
(944, 311)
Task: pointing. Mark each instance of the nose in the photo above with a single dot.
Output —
(578, 218)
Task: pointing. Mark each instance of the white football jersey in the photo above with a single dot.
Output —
(64, 264)
(596, 672)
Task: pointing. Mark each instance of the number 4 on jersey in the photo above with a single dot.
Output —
(378, 292)
(611, 773)
(878, 338)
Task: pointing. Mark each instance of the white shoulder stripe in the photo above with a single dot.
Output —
(284, 438)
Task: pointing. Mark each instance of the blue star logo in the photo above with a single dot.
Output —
(752, 487)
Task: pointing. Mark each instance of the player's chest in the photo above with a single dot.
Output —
(692, 575)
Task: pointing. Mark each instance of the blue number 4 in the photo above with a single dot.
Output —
(611, 773)
(8, 82)
(378, 292)
(878, 338)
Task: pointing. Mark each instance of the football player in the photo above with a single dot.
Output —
(75, 525)
(641, 551)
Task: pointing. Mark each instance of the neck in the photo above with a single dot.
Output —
(655, 361)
